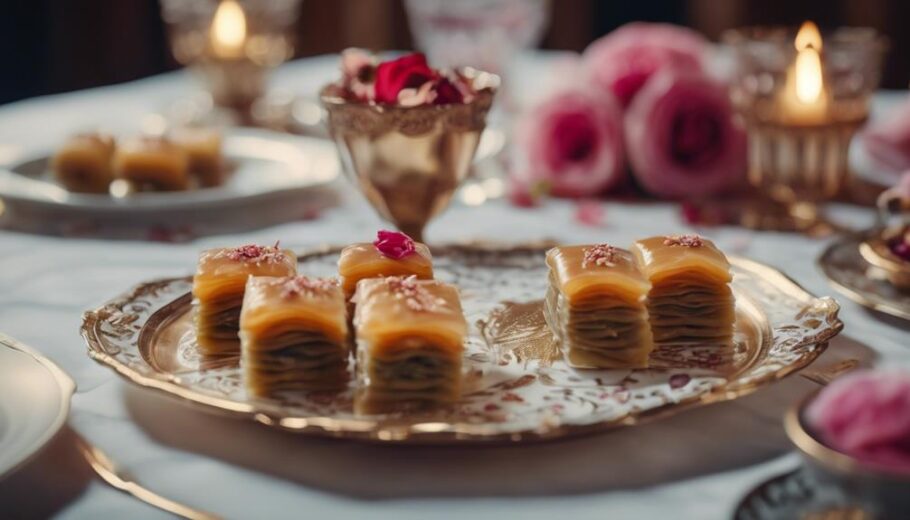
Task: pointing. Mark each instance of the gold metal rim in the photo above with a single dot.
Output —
(451, 433)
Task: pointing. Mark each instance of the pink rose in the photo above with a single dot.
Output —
(681, 137)
(572, 142)
(394, 244)
(622, 61)
(866, 415)
(887, 142)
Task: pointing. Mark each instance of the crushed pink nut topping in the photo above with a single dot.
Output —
(416, 297)
(600, 255)
(298, 285)
(394, 244)
(256, 252)
(684, 240)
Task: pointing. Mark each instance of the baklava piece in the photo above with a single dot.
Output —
(218, 289)
(203, 150)
(595, 307)
(690, 302)
(410, 341)
(293, 335)
(392, 254)
(83, 163)
(152, 164)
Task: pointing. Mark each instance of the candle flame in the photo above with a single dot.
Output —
(228, 28)
(808, 66)
(808, 36)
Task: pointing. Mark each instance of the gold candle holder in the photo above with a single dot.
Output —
(801, 100)
(232, 46)
(408, 161)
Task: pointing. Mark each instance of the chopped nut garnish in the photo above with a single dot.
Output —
(416, 297)
(298, 285)
(256, 252)
(600, 255)
(684, 240)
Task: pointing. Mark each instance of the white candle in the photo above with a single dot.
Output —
(804, 99)
(228, 33)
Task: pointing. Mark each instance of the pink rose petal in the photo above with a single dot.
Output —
(590, 213)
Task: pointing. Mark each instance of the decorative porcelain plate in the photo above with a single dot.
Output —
(850, 274)
(265, 166)
(517, 386)
(26, 425)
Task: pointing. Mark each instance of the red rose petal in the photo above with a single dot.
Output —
(393, 76)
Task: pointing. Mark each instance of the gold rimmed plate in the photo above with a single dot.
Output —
(517, 387)
(844, 266)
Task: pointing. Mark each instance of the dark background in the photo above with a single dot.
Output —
(59, 45)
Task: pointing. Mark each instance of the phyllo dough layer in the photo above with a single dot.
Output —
(690, 302)
(410, 341)
(294, 335)
(218, 288)
(596, 308)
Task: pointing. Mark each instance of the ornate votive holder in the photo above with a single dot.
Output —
(878, 492)
(408, 161)
(801, 104)
(232, 45)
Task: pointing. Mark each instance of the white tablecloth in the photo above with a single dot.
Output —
(695, 465)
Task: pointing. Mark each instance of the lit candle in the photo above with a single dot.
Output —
(804, 98)
(228, 33)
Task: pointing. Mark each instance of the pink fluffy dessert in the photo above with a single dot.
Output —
(866, 415)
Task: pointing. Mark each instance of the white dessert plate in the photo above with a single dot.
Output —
(34, 402)
(265, 166)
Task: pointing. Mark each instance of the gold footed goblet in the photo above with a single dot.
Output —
(409, 160)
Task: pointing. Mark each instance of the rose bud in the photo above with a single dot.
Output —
(407, 72)
(572, 142)
(866, 414)
(622, 61)
(681, 137)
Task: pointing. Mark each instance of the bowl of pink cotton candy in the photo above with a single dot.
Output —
(854, 434)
